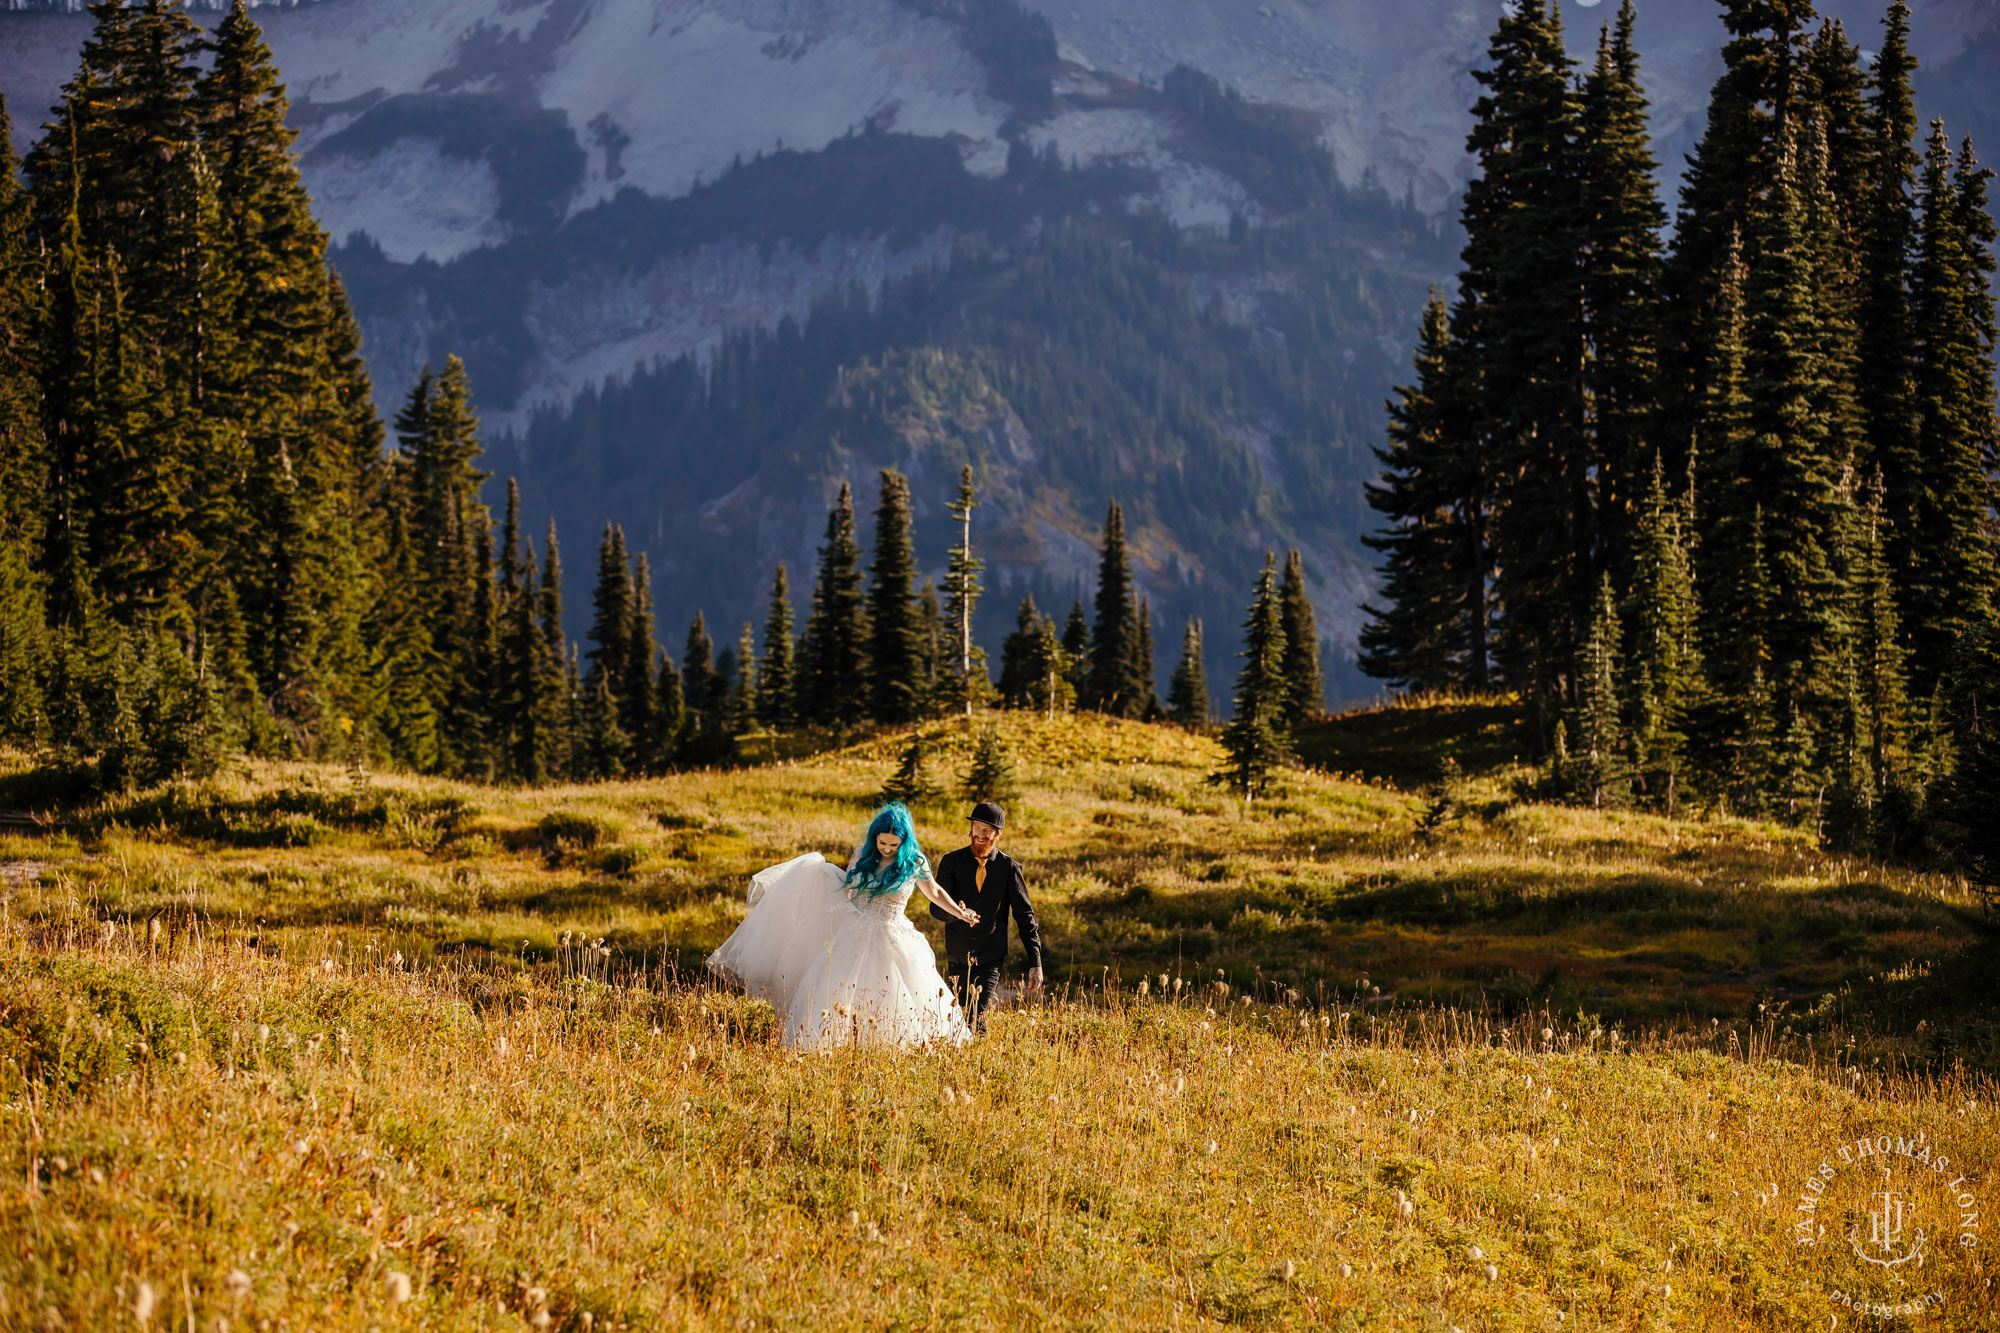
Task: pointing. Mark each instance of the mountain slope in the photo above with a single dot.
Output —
(565, 191)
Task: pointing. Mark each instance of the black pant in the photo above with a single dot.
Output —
(977, 985)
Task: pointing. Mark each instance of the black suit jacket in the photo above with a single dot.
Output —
(1006, 891)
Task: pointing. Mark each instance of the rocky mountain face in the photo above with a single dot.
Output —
(707, 258)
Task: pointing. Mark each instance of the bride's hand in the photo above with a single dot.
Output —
(968, 916)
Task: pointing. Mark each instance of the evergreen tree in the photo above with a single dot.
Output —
(1977, 236)
(638, 695)
(1255, 737)
(575, 762)
(1305, 687)
(270, 377)
(23, 450)
(611, 611)
(1114, 685)
(124, 205)
(405, 658)
(1143, 672)
(670, 717)
(1971, 834)
(991, 775)
(775, 673)
(1187, 692)
(1774, 597)
(1886, 367)
(1881, 683)
(1726, 174)
(1075, 643)
(1017, 667)
(701, 684)
(484, 753)
(1622, 221)
(555, 692)
(744, 687)
(610, 656)
(1430, 634)
(895, 647)
(961, 587)
(1949, 583)
(833, 658)
(604, 742)
(911, 782)
(23, 645)
(1596, 767)
(1054, 672)
(1839, 86)
(1521, 269)
(1662, 661)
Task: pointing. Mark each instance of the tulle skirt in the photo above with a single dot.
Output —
(837, 971)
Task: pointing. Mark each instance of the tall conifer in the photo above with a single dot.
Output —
(1187, 692)
(1430, 632)
(1886, 368)
(638, 693)
(1255, 737)
(1948, 586)
(1662, 662)
(1521, 270)
(895, 647)
(1305, 686)
(1112, 685)
(834, 659)
(776, 704)
(701, 684)
(1622, 221)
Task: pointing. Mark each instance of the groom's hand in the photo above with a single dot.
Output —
(1034, 980)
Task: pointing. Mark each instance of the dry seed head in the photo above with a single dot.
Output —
(238, 1283)
(1492, 1273)
(1209, 1147)
(142, 1303)
(1291, 1270)
(398, 1284)
(1345, 1270)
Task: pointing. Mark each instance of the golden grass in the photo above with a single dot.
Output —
(374, 1052)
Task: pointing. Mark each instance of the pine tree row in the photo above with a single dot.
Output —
(1718, 508)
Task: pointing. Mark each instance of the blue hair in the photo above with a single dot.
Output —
(870, 875)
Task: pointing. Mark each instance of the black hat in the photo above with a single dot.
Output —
(988, 813)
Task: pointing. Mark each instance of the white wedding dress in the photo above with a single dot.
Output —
(838, 969)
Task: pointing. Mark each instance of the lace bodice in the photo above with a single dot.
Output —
(891, 906)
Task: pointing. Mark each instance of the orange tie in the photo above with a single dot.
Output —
(979, 876)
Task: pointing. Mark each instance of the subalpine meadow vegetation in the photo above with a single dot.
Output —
(296, 1048)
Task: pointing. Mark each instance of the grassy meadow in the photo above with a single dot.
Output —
(303, 1048)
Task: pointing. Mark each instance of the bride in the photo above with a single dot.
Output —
(833, 952)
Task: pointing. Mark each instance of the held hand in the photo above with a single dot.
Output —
(968, 916)
(1034, 980)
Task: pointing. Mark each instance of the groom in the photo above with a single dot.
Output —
(990, 882)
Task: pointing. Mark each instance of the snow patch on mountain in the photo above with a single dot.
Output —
(412, 199)
(1190, 193)
(600, 324)
(696, 85)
